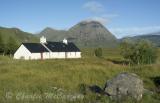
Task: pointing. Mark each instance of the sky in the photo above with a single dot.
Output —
(121, 17)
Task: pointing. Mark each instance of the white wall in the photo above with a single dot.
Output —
(73, 54)
(22, 53)
(38, 55)
(78, 54)
(57, 55)
(62, 55)
(46, 55)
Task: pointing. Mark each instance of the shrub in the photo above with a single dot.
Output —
(98, 52)
(2, 45)
(11, 46)
(142, 52)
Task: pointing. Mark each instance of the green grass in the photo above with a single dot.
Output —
(41, 76)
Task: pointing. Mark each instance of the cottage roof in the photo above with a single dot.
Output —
(53, 46)
(62, 47)
(35, 47)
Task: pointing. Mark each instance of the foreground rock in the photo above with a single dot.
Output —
(123, 85)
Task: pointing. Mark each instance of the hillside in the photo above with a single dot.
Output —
(83, 34)
(153, 37)
(37, 77)
(17, 34)
(52, 34)
(92, 34)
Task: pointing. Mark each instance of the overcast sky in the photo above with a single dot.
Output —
(121, 17)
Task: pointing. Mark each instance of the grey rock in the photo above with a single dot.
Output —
(124, 85)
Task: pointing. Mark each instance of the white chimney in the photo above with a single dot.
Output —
(43, 40)
(65, 41)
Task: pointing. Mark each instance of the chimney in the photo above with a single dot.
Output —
(43, 40)
(65, 41)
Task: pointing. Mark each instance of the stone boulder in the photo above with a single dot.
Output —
(124, 85)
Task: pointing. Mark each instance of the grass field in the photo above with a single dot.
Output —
(39, 77)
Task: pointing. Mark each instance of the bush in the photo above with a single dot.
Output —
(142, 52)
(2, 45)
(11, 46)
(98, 52)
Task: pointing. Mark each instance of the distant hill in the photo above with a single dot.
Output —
(153, 37)
(84, 34)
(52, 34)
(17, 34)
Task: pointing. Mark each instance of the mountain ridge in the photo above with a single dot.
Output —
(83, 34)
(152, 37)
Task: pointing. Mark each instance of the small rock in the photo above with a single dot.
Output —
(96, 89)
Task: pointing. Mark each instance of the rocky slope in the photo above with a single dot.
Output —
(84, 34)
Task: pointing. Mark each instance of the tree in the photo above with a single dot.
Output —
(11, 46)
(126, 49)
(142, 52)
(146, 52)
(98, 52)
(2, 45)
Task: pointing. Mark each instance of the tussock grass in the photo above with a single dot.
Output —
(40, 76)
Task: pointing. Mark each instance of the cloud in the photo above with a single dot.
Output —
(102, 20)
(94, 7)
(132, 31)
(98, 10)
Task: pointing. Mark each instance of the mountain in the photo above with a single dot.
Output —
(83, 34)
(52, 34)
(17, 34)
(91, 34)
(153, 37)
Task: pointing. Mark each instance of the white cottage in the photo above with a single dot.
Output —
(47, 50)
